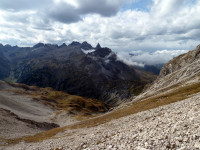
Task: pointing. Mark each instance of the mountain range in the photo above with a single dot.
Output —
(77, 68)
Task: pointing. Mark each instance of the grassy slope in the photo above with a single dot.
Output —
(177, 95)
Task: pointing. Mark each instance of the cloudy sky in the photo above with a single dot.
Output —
(122, 25)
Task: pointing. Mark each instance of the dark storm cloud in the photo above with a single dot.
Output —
(40, 23)
(64, 13)
(102, 7)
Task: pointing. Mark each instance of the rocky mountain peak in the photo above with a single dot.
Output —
(102, 52)
(8, 46)
(98, 46)
(51, 46)
(86, 46)
(63, 45)
(75, 43)
(38, 45)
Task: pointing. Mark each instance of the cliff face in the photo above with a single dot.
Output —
(180, 71)
(180, 62)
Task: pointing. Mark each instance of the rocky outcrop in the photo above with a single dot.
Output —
(38, 45)
(180, 62)
(181, 70)
(86, 46)
(75, 43)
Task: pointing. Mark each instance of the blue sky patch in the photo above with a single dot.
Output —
(139, 5)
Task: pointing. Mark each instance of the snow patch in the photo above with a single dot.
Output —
(107, 61)
(111, 54)
(87, 51)
(35, 49)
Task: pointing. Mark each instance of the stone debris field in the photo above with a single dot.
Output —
(174, 126)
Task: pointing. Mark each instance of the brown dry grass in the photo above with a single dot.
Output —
(177, 95)
(76, 105)
(23, 86)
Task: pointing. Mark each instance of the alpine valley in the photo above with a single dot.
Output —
(77, 68)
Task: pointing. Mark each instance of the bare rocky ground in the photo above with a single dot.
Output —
(174, 126)
(181, 70)
(11, 127)
(22, 104)
(20, 115)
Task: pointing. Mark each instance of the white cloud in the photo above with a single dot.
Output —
(162, 8)
(140, 58)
